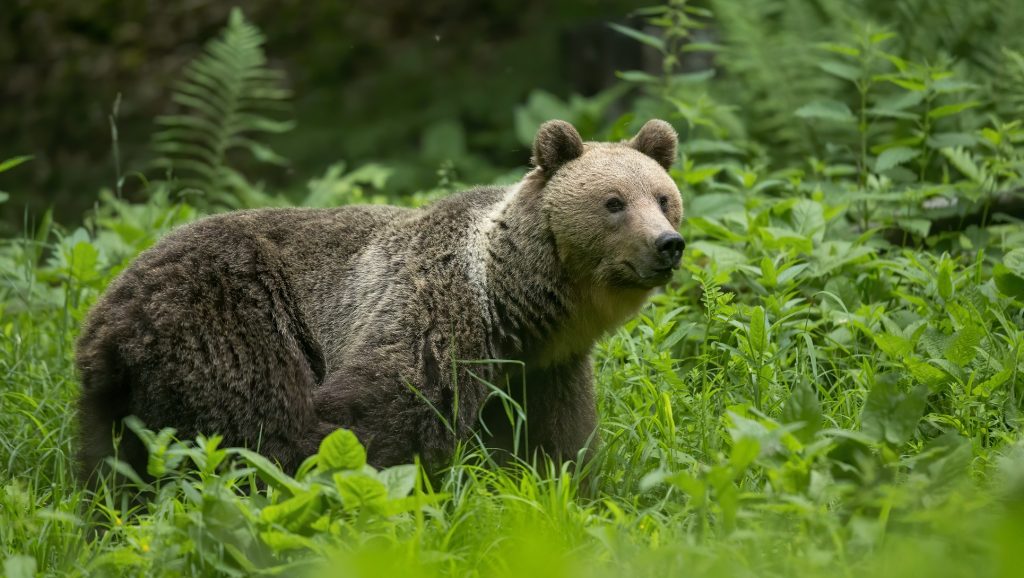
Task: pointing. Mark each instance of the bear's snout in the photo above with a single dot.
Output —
(669, 247)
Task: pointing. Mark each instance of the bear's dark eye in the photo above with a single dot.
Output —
(614, 205)
(663, 203)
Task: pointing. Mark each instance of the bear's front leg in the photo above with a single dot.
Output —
(561, 409)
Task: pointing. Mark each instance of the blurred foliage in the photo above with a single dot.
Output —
(375, 81)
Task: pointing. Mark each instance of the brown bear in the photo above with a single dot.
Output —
(274, 327)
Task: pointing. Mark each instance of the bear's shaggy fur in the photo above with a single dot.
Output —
(274, 327)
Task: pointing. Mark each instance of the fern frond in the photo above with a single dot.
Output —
(1009, 86)
(771, 67)
(224, 97)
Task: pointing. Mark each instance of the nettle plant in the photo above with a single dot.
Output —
(233, 512)
(805, 365)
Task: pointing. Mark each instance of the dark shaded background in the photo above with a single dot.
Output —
(371, 79)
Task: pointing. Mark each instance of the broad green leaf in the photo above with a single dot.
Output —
(946, 459)
(296, 512)
(841, 70)
(700, 174)
(892, 415)
(779, 238)
(281, 541)
(399, 480)
(714, 229)
(83, 260)
(991, 384)
(829, 110)
(919, 227)
(896, 347)
(894, 157)
(360, 490)
(927, 374)
(808, 218)
(1008, 282)
(341, 450)
(744, 451)
(803, 407)
(20, 567)
(1014, 261)
(725, 258)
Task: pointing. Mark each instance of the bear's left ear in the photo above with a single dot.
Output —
(658, 140)
(556, 143)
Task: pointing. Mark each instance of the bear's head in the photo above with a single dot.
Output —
(612, 207)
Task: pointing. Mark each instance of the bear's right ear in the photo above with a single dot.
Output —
(556, 143)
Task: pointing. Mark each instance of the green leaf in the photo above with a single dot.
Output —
(944, 281)
(1008, 282)
(341, 450)
(399, 480)
(841, 70)
(269, 472)
(295, 513)
(13, 162)
(281, 541)
(358, 490)
(964, 347)
(919, 227)
(20, 567)
(1014, 261)
(891, 415)
(638, 76)
(894, 157)
(700, 174)
(828, 110)
(808, 218)
(943, 140)
(951, 109)
(649, 40)
(964, 163)
(757, 336)
(803, 407)
(927, 374)
(895, 346)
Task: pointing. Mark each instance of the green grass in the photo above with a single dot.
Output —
(837, 406)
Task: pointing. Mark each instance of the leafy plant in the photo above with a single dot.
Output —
(227, 96)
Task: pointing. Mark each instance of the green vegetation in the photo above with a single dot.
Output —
(832, 386)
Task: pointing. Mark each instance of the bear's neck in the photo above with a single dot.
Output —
(539, 313)
(528, 292)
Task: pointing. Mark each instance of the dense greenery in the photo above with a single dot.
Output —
(832, 385)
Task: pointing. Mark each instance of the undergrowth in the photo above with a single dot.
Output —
(831, 386)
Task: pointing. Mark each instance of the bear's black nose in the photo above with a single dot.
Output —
(670, 247)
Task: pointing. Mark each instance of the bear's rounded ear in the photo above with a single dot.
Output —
(556, 143)
(658, 140)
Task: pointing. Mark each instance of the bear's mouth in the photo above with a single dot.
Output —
(652, 276)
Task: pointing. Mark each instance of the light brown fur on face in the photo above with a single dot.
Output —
(613, 249)
(275, 327)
